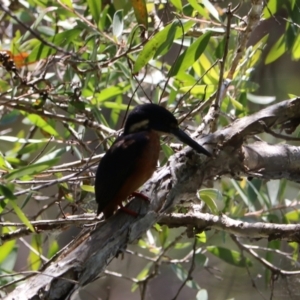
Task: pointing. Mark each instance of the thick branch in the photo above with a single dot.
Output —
(179, 180)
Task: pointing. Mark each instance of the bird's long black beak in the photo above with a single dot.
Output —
(183, 137)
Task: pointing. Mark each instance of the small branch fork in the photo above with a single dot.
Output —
(275, 270)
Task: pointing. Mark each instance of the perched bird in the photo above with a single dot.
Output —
(132, 158)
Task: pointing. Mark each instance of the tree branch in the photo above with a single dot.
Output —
(86, 257)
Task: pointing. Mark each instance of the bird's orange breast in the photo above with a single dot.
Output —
(127, 165)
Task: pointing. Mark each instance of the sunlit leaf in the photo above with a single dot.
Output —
(53, 249)
(68, 3)
(34, 259)
(182, 245)
(42, 124)
(278, 49)
(111, 92)
(88, 188)
(140, 11)
(164, 235)
(118, 24)
(21, 215)
(293, 216)
(201, 237)
(190, 55)
(199, 7)
(7, 247)
(177, 4)
(142, 275)
(230, 256)
(159, 43)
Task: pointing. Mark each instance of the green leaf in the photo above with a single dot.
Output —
(21, 215)
(201, 237)
(53, 249)
(164, 235)
(4, 164)
(7, 247)
(118, 23)
(42, 124)
(230, 256)
(209, 196)
(159, 43)
(142, 275)
(177, 4)
(155, 46)
(296, 49)
(111, 92)
(53, 154)
(34, 258)
(244, 197)
(67, 3)
(270, 9)
(293, 216)
(88, 188)
(199, 8)
(6, 192)
(41, 50)
(278, 49)
(190, 55)
(202, 89)
(182, 274)
(182, 245)
(31, 169)
(95, 9)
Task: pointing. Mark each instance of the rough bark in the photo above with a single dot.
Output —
(86, 257)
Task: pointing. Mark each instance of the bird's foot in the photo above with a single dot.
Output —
(140, 195)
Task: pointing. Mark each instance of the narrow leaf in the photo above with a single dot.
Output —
(153, 47)
(21, 215)
(190, 55)
(140, 11)
(95, 9)
(278, 49)
(31, 169)
(118, 24)
(7, 247)
(42, 124)
(230, 256)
